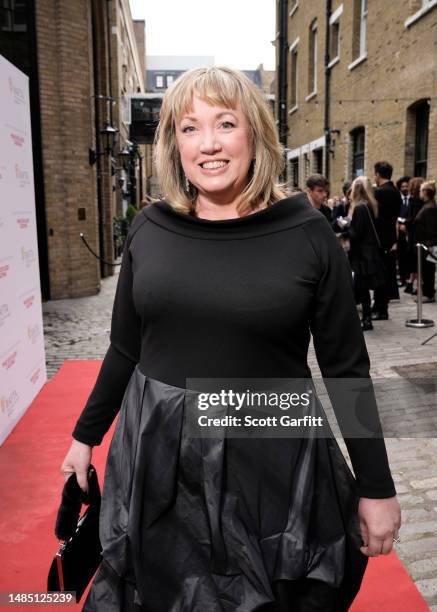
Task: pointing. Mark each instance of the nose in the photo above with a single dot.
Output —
(209, 144)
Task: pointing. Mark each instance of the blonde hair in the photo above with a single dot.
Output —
(430, 188)
(362, 191)
(220, 86)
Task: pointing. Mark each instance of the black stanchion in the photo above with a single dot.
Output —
(419, 322)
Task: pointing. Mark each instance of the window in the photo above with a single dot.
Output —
(293, 79)
(422, 7)
(318, 161)
(293, 6)
(159, 80)
(170, 79)
(359, 44)
(312, 63)
(421, 144)
(334, 36)
(294, 172)
(358, 145)
(334, 51)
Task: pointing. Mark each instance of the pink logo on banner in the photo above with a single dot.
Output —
(10, 360)
(7, 403)
(17, 139)
(23, 222)
(4, 270)
(29, 301)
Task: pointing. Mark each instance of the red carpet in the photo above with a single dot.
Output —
(30, 488)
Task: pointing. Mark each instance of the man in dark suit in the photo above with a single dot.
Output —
(389, 206)
(402, 186)
(317, 192)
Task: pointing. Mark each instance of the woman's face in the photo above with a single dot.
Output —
(215, 148)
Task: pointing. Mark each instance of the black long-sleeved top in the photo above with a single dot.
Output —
(236, 298)
(425, 224)
(389, 206)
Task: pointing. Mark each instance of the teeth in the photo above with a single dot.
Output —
(214, 164)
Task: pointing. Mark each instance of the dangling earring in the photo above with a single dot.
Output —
(187, 185)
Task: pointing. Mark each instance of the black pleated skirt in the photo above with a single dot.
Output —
(221, 525)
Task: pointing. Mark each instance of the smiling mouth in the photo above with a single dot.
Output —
(212, 165)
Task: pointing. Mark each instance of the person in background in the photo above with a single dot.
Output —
(425, 225)
(415, 205)
(389, 206)
(402, 247)
(342, 208)
(317, 192)
(364, 253)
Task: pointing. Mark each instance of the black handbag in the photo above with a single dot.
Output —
(79, 554)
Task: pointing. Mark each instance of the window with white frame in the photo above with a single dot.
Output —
(170, 79)
(334, 34)
(312, 55)
(293, 6)
(294, 172)
(318, 161)
(359, 29)
(421, 8)
(358, 141)
(159, 81)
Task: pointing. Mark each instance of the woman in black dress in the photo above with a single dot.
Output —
(224, 279)
(425, 231)
(415, 205)
(364, 252)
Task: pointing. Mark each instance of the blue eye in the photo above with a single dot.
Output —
(187, 128)
(228, 124)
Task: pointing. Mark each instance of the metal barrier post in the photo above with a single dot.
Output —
(419, 322)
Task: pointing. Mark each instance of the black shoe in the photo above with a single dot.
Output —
(366, 324)
(409, 288)
(379, 316)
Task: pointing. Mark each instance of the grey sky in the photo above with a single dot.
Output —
(238, 33)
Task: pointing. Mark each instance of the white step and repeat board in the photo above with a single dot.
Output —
(22, 356)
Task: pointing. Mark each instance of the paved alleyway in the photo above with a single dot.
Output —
(79, 329)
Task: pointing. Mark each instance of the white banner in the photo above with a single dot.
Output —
(22, 355)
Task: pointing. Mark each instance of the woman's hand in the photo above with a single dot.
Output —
(77, 460)
(380, 521)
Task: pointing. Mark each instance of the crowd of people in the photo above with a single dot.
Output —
(379, 226)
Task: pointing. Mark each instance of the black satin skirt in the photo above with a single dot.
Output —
(221, 525)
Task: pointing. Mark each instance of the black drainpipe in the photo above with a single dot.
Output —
(282, 76)
(327, 126)
(97, 126)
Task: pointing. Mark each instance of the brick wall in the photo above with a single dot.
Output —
(67, 116)
(376, 93)
(68, 88)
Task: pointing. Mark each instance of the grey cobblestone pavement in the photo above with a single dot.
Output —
(79, 329)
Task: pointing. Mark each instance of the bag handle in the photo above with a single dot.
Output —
(373, 225)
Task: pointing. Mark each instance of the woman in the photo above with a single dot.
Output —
(425, 231)
(364, 253)
(225, 279)
(415, 205)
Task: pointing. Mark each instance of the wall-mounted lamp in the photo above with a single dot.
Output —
(125, 157)
(109, 136)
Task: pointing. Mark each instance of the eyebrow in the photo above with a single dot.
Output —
(189, 118)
